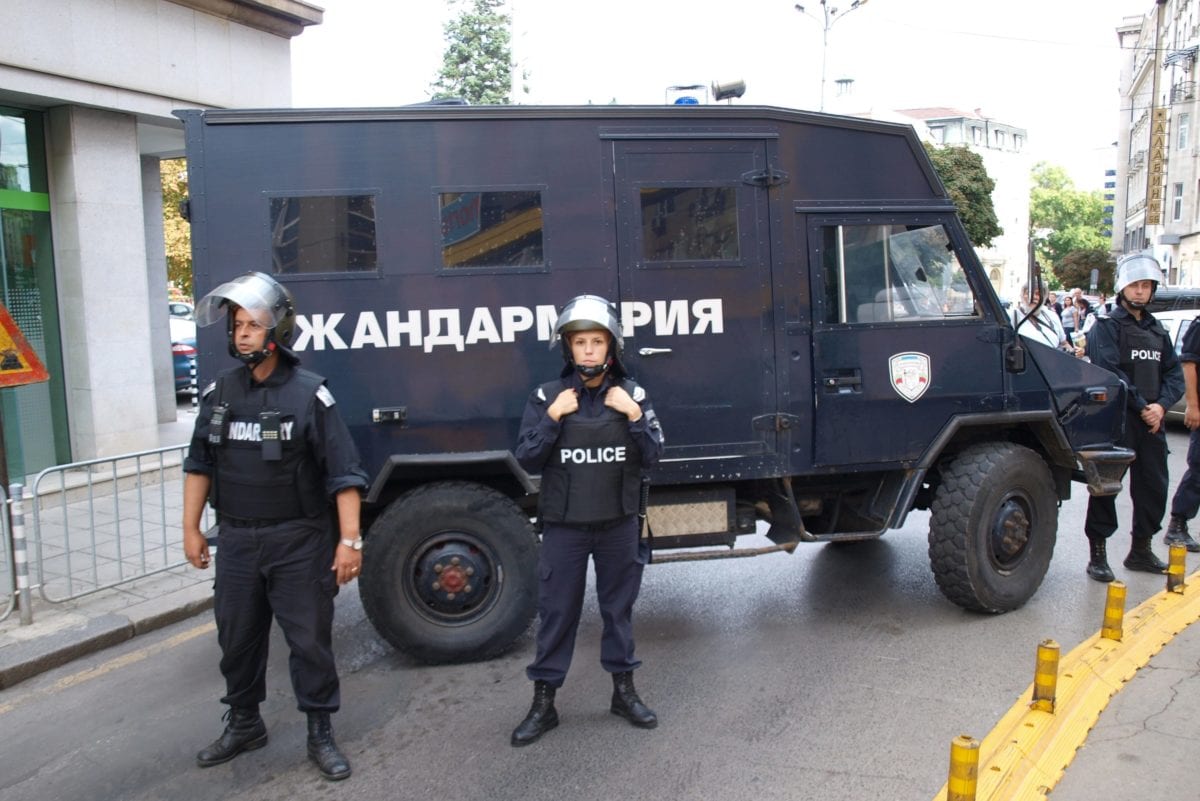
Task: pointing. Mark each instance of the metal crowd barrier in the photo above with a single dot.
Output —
(101, 523)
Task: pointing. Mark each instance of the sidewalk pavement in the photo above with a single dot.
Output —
(74, 562)
(1137, 750)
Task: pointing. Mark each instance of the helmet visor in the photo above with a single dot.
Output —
(256, 294)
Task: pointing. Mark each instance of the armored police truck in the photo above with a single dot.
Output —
(796, 293)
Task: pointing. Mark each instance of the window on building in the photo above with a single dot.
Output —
(491, 229)
(1181, 131)
(322, 233)
(1176, 202)
(938, 133)
(976, 135)
(1001, 139)
(1018, 142)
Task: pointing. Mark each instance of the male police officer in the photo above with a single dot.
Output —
(1186, 502)
(1132, 344)
(269, 453)
(589, 433)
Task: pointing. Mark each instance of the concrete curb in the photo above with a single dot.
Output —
(71, 636)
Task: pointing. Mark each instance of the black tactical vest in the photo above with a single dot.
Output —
(594, 472)
(249, 487)
(1141, 356)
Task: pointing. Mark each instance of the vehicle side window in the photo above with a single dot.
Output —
(690, 223)
(892, 274)
(322, 233)
(491, 229)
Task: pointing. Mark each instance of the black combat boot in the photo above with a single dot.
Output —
(244, 731)
(542, 716)
(1177, 534)
(625, 702)
(1142, 558)
(1098, 565)
(323, 751)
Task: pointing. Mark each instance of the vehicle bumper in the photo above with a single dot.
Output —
(1103, 469)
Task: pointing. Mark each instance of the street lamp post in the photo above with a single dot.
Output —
(829, 16)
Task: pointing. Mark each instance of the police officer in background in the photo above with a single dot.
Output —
(1132, 344)
(272, 456)
(1186, 502)
(590, 433)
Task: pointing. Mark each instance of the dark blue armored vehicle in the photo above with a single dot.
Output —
(797, 294)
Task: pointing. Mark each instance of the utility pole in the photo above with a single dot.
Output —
(829, 17)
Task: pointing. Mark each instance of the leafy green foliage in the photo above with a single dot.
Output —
(1075, 269)
(970, 187)
(1064, 220)
(477, 65)
(176, 231)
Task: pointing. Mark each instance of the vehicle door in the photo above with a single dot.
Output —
(694, 273)
(901, 341)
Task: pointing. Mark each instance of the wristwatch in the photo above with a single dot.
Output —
(355, 544)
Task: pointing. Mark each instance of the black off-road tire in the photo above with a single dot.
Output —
(450, 573)
(993, 526)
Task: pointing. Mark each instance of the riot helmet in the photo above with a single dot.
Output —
(1135, 267)
(264, 297)
(590, 313)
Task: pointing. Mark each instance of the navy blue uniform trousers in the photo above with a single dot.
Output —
(1147, 479)
(1186, 502)
(280, 570)
(562, 570)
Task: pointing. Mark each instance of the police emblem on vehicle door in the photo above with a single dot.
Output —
(910, 374)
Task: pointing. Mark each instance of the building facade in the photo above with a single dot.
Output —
(1156, 204)
(87, 90)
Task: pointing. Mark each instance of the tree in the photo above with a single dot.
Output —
(176, 231)
(477, 65)
(970, 187)
(1064, 219)
(1075, 269)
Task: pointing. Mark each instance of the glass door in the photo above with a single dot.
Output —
(34, 416)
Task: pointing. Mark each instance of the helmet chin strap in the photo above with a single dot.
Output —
(253, 358)
(592, 372)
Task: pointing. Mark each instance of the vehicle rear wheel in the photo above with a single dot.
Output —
(450, 573)
(993, 525)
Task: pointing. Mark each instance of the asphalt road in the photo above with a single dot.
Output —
(839, 672)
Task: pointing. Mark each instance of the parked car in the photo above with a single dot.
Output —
(1177, 323)
(180, 309)
(183, 351)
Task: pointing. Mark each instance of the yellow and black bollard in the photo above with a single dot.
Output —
(964, 768)
(1045, 677)
(1176, 568)
(1114, 612)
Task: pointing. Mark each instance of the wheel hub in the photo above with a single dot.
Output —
(451, 577)
(1011, 531)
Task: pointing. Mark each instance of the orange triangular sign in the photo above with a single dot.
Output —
(19, 365)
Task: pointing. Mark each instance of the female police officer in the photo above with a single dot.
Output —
(1132, 344)
(271, 453)
(589, 433)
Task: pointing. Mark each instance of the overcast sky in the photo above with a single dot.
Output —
(1049, 66)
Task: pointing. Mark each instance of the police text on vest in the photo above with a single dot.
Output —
(592, 455)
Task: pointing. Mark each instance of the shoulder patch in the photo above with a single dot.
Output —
(204, 393)
(325, 396)
(639, 394)
(541, 395)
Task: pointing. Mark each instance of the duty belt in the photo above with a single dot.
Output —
(251, 522)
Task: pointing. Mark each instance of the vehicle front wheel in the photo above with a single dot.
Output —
(993, 525)
(450, 573)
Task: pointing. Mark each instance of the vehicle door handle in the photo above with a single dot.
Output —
(843, 381)
(652, 351)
